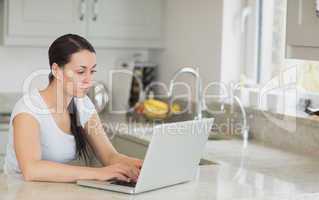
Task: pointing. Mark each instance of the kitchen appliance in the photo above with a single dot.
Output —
(144, 74)
(98, 94)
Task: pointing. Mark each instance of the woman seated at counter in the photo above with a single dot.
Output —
(51, 127)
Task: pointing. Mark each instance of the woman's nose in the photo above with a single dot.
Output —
(88, 79)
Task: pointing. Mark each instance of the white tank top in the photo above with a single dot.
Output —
(56, 145)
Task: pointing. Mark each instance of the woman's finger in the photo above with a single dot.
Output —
(139, 164)
(129, 170)
(125, 170)
(136, 171)
(121, 177)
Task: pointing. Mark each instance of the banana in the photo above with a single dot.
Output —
(176, 108)
(155, 109)
(156, 104)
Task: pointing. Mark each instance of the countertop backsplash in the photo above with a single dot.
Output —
(295, 134)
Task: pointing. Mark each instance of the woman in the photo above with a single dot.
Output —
(42, 143)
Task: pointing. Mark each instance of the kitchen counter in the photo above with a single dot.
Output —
(264, 159)
(255, 172)
(259, 158)
(212, 182)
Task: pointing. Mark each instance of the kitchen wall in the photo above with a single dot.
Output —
(193, 37)
(17, 63)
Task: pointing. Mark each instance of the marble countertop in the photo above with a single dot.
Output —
(219, 182)
(255, 172)
(257, 157)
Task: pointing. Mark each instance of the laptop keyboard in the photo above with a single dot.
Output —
(124, 183)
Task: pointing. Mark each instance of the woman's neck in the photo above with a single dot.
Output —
(56, 98)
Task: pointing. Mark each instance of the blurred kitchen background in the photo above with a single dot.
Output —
(268, 47)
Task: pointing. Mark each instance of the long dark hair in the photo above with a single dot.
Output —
(60, 52)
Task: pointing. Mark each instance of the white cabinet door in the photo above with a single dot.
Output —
(41, 21)
(302, 23)
(302, 29)
(106, 23)
(125, 22)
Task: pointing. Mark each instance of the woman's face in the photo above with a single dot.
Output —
(77, 75)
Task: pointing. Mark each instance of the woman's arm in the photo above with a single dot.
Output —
(28, 151)
(103, 148)
(101, 145)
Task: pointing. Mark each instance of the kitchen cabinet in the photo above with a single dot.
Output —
(302, 30)
(106, 23)
(3, 143)
(116, 22)
(123, 144)
(37, 22)
(3, 140)
(129, 147)
(1, 163)
(135, 147)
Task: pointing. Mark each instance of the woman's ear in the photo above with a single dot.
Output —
(55, 71)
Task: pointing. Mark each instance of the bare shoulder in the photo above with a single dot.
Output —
(25, 122)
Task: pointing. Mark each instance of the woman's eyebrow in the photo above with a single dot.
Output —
(82, 66)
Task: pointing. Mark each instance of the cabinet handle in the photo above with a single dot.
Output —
(95, 10)
(82, 9)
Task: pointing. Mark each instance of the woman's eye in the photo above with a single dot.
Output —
(80, 72)
(93, 71)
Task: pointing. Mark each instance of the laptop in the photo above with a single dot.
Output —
(172, 158)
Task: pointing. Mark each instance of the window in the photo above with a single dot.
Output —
(272, 39)
(254, 36)
(291, 80)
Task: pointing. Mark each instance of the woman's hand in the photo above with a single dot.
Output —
(133, 164)
(117, 171)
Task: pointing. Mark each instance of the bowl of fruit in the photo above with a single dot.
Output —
(154, 109)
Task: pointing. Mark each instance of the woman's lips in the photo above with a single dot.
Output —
(85, 89)
(82, 89)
